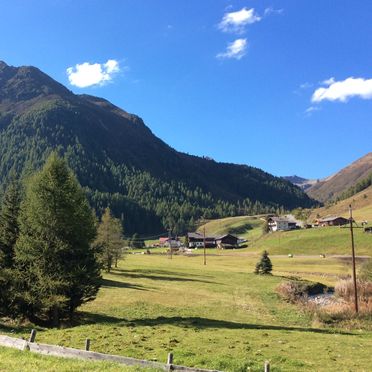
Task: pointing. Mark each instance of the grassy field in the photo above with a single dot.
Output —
(321, 240)
(246, 227)
(14, 360)
(216, 316)
(315, 241)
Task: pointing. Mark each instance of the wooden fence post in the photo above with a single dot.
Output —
(87, 344)
(32, 336)
(267, 366)
(170, 361)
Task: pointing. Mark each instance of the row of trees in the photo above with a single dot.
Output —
(51, 255)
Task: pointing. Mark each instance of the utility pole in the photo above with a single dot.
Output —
(170, 244)
(353, 260)
(205, 255)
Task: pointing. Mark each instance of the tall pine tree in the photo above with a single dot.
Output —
(9, 231)
(110, 240)
(57, 268)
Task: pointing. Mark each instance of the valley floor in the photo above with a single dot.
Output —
(218, 316)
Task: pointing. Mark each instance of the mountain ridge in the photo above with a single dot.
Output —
(333, 186)
(120, 161)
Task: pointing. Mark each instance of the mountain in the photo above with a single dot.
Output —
(302, 183)
(333, 186)
(361, 203)
(121, 163)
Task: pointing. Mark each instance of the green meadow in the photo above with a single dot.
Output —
(218, 316)
(320, 240)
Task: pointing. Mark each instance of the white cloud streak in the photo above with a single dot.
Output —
(237, 21)
(235, 49)
(89, 74)
(343, 90)
(270, 10)
(311, 109)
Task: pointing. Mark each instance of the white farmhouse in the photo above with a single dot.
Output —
(280, 224)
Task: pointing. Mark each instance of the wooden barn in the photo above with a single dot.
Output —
(333, 221)
(196, 240)
(227, 241)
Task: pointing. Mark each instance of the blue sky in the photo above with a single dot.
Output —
(285, 86)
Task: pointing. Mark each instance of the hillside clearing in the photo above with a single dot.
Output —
(247, 227)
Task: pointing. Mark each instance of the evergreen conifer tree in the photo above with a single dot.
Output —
(9, 231)
(110, 240)
(9, 228)
(265, 227)
(56, 265)
(264, 266)
(136, 242)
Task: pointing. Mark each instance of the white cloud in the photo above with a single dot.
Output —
(328, 81)
(235, 49)
(306, 85)
(343, 90)
(311, 109)
(87, 74)
(271, 10)
(236, 21)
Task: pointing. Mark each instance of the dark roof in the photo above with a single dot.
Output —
(280, 219)
(195, 235)
(225, 236)
(332, 218)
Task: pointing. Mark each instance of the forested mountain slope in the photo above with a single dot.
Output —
(120, 162)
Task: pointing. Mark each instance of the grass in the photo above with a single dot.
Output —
(247, 227)
(321, 240)
(216, 316)
(15, 360)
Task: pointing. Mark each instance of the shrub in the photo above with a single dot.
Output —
(264, 266)
(295, 290)
(365, 271)
(345, 289)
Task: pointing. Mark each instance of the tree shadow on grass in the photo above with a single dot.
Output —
(201, 323)
(161, 275)
(162, 272)
(116, 284)
(14, 329)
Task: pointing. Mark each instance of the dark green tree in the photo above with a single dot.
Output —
(265, 227)
(9, 230)
(110, 240)
(264, 266)
(56, 264)
(136, 242)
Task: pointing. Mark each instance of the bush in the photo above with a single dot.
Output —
(264, 266)
(295, 290)
(345, 289)
(365, 271)
(341, 311)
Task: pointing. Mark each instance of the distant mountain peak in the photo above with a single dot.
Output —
(301, 182)
(26, 83)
